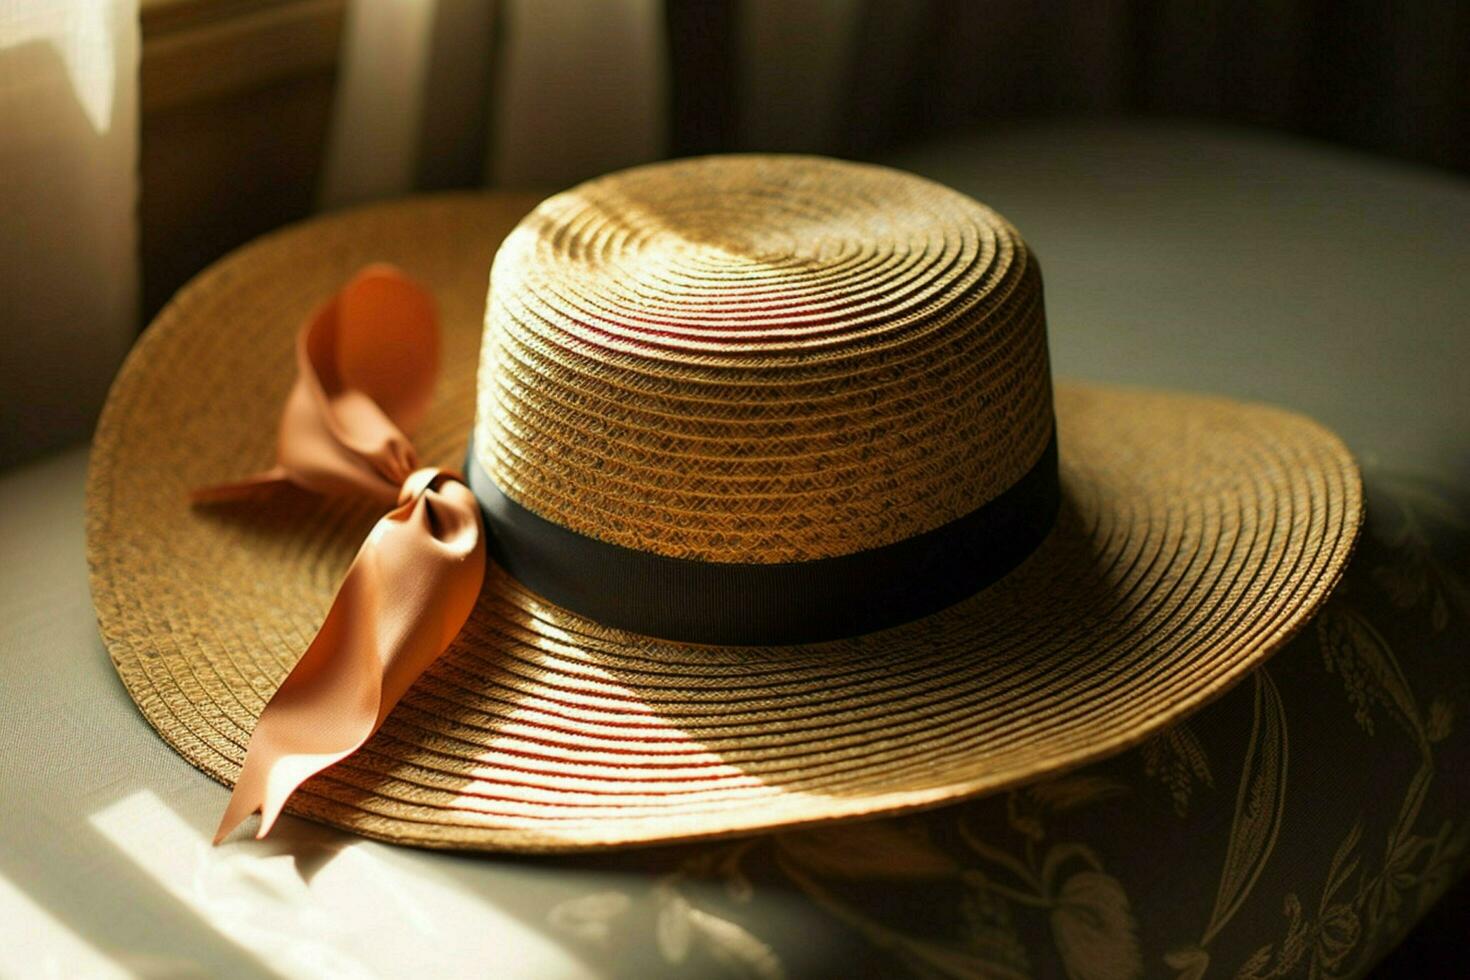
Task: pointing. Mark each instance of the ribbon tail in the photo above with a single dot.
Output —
(246, 489)
(265, 788)
(326, 708)
(406, 596)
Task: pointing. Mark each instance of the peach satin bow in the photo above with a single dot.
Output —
(366, 362)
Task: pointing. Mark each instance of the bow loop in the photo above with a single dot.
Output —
(366, 361)
(365, 367)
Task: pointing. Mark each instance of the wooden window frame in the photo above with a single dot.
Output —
(235, 99)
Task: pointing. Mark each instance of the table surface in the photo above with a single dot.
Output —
(1178, 256)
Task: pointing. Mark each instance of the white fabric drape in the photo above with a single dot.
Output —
(68, 198)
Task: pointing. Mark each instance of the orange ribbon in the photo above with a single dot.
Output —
(366, 362)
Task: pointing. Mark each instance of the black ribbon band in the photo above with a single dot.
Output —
(767, 605)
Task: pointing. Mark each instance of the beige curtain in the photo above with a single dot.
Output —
(68, 195)
(581, 90)
(573, 89)
(542, 93)
(792, 61)
(372, 150)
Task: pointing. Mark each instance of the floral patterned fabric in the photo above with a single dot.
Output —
(1298, 826)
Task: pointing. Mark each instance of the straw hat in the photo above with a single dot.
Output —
(782, 529)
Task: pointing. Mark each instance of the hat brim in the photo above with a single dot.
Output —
(1196, 536)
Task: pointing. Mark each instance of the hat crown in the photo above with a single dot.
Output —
(761, 359)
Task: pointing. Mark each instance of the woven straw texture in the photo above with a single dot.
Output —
(761, 359)
(1196, 535)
